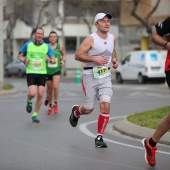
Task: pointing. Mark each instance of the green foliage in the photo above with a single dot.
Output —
(8, 87)
(149, 119)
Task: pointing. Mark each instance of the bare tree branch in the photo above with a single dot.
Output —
(153, 10)
(143, 21)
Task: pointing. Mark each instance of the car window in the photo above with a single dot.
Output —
(15, 61)
(153, 57)
(126, 60)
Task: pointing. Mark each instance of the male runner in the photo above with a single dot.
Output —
(54, 73)
(97, 51)
(161, 38)
(36, 52)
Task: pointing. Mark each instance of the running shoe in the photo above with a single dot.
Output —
(29, 107)
(49, 111)
(149, 152)
(35, 119)
(55, 107)
(99, 142)
(73, 119)
(46, 102)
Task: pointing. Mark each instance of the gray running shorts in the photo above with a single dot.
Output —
(93, 88)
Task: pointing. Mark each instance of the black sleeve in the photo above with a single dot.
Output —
(163, 27)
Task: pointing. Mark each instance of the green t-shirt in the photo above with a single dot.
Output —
(53, 68)
(36, 56)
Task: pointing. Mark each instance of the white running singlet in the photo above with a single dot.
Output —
(100, 47)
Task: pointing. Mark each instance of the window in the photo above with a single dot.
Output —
(70, 43)
(82, 39)
(126, 60)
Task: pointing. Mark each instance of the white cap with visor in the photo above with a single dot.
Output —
(101, 16)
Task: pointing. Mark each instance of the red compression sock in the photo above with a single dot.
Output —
(102, 122)
(77, 111)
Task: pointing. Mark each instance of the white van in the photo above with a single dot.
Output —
(141, 66)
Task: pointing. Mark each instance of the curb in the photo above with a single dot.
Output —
(127, 128)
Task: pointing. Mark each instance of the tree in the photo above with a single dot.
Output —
(139, 14)
(87, 9)
(34, 13)
(144, 21)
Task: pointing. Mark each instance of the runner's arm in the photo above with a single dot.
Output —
(63, 54)
(22, 54)
(159, 40)
(50, 58)
(114, 55)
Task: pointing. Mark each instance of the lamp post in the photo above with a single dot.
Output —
(1, 45)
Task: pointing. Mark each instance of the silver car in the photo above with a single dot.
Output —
(16, 67)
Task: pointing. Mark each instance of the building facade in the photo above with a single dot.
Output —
(73, 21)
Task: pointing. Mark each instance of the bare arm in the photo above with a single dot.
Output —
(51, 60)
(159, 40)
(86, 45)
(114, 56)
(63, 53)
(22, 59)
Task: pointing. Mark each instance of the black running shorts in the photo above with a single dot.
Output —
(50, 77)
(36, 79)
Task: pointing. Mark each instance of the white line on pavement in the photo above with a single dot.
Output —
(83, 128)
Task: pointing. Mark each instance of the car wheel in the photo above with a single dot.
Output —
(20, 74)
(162, 80)
(141, 79)
(7, 73)
(119, 78)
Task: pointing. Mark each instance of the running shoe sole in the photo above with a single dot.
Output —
(49, 112)
(101, 146)
(35, 120)
(55, 108)
(73, 120)
(104, 145)
(46, 102)
(143, 143)
(29, 107)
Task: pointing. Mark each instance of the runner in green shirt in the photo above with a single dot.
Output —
(37, 54)
(54, 73)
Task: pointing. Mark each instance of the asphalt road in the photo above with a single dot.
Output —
(55, 145)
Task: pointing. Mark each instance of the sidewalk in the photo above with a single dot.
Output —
(127, 128)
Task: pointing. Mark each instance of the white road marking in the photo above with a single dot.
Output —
(144, 94)
(67, 93)
(134, 93)
(83, 128)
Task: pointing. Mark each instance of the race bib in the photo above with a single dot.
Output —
(37, 64)
(53, 65)
(100, 72)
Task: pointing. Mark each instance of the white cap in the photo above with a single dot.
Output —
(101, 16)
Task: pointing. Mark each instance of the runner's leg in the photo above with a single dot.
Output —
(163, 127)
(56, 81)
(49, 91)
(39, 98)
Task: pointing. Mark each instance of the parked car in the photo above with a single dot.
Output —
(141, 66)
(16, 67)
